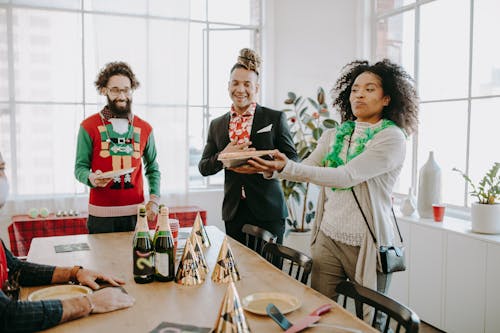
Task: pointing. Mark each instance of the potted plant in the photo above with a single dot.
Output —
(485, 213)
(308, 118)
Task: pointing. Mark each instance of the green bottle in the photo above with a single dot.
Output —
(164, 249)
(143, 254)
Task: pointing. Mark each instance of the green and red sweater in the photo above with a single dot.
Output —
(101, 148)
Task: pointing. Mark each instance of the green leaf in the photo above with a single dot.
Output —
(292, 95)
(330, 123)
(317, 133)
(321, 96)
(301, 112)
(298, 100)
(310, 205)
(302, 153)
(287, 110)
(314, 103)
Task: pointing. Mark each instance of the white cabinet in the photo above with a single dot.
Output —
(426, 273)
(465, 284)
(398, 289)
(492, 315)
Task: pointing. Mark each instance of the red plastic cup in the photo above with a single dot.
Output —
(174, 227)
(438, 210)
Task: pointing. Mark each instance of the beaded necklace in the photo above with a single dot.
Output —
(333, 158)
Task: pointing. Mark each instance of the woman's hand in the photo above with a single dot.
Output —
(277, 164)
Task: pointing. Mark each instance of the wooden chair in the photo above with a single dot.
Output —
(400, 314)
(300, 264)
(256, 237)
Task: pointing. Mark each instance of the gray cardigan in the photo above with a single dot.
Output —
(379, 166)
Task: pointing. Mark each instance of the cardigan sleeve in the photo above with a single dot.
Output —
(382, 154)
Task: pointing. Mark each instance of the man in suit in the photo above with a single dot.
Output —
(248, 196)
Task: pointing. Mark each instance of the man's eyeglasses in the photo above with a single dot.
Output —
(117, 91)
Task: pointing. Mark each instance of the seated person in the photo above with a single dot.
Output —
(25, 316)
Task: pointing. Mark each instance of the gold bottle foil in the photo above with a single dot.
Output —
(225, 269)
(231, 318)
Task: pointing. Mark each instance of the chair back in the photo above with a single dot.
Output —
(256, 237)
(395, 311)
(296, 263)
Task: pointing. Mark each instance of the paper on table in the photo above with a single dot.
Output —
(235, 159)
(71, 247)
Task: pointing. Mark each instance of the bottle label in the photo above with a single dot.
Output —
(162, 264)
(143, 263)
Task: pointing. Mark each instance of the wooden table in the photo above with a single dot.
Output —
(196, 305)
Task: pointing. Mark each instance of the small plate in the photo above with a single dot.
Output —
(59, 292)
(114, 173)
(256, 303)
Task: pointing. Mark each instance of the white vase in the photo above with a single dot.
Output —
(408, 205)
(429, 187)
(485, 218)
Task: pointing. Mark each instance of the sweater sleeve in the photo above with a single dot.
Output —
(384, 153)
(151, 167)
(83, 158)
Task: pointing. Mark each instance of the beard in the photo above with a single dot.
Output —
(119, 110)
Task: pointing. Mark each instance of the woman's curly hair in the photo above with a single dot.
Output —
(248, 59)
(396, 83)
(115, 68)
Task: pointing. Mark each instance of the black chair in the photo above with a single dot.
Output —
(300, 264)
(256, 237)
(402, 316)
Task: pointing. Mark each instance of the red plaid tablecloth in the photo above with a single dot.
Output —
(24, 228)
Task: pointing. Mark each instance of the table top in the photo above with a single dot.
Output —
(171, 302)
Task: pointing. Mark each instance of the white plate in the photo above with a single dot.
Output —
(241, 157)
(59, 292)
(257, 303)
(114, 173)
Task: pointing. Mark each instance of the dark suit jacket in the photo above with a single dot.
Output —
(264, 197)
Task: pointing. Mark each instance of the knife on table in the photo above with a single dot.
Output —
(285, 324)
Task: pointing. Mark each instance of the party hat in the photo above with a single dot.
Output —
(200, 256)
(231, 318)
(225, 269)
(199, 230)
(188, 272)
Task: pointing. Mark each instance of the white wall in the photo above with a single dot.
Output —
(306, 44)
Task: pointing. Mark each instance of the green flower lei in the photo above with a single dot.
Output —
(333, 158)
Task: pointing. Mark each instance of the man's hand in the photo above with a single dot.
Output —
(233, 147)
(110, 299)
(151, 210)
(98, 182)
(88, 277)
(277, 164)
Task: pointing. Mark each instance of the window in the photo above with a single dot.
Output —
(446, 45)
(180, 50)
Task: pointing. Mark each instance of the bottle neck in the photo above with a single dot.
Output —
(163, 224)
(142, 224)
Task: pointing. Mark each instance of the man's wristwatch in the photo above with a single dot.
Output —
(72, 275)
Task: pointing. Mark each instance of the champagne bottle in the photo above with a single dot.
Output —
(164, 249)
(143, 255)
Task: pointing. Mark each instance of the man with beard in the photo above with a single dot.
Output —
(115, 139)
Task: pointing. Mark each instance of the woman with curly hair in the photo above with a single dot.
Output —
(379, 109)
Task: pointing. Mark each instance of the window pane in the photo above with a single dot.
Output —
(486, 52)
(4, 65)
(229, 11)
(69, 4)
(169, 8)
(387, 5)
(113, 6)
(396, 39)
(5, 141)
(46, 145)
(196, 59)
(444, 49)
(483, 137)
(198, 9)
(112, 38)
(168, 62)
(435, 134)
(169, 126)
(196, 144)
(47, 56)
(224, 49)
